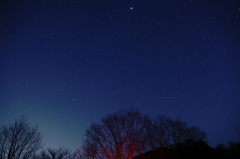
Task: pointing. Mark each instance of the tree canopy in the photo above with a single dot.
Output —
(119, 135)
(19, 140)
(128, 133)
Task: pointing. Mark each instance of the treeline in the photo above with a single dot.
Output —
(194, 150)
(125, 134)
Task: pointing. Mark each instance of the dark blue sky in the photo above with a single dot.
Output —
(65, 64)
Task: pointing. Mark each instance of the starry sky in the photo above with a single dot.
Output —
(68, 63)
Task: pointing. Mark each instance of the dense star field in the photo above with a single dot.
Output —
(68, 63)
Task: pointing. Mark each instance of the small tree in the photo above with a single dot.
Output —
(60, 153)
(19, 140)
(120, 136)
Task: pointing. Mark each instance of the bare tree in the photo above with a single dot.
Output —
(120, 136)
(194, 133)
(60, 153)
(160, 132)
(19, 140)
(165, 132)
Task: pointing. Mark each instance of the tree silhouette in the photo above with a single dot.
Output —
(120, 136)
(60, 153)
(19, 140)
(191, 150)
(167, 133)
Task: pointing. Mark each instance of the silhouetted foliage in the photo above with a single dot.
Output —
(60, 153)
(19, 140)
(194, 149)
(230, 152)
(167, 133)
(191, 149)
(128, 133)
(120, 136)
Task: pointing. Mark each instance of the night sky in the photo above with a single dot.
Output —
(66, 64)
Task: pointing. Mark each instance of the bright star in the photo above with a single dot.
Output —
(131, 8)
